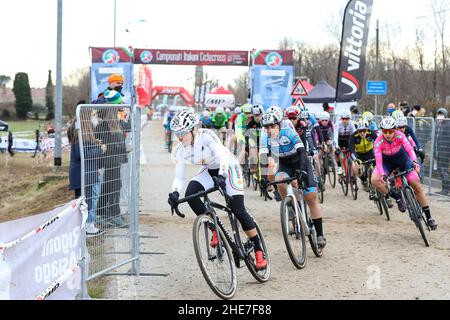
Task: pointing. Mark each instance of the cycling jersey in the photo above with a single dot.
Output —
(220, 122)
(343, 133)
(373, 126)
(359, 144)
(284, 146)
(393, 152)
(239, 126)
(206, 122)
(167, 119)
(207, 151)
(327, 131)
(253, 130)
(410, 133)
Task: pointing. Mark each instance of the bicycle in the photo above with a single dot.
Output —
(169, 142)
(367, 168)
(344, 179)
(227, 255)
(328, 168)
(400, 183)
(320, 182)
(296, 224)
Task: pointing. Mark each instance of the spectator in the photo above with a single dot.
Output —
(326, 107)
(115, 82)
(355, 112)
(10, 144)
(404, 107)
(38, 148)
(75, 163)
(109, 132)
(442, 148)
(390, 108)
(417, 111)
(50, 129)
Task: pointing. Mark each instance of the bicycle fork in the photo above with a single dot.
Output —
(300, 216)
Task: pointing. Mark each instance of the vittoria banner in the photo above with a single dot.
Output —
(191, 57)
(352, 59)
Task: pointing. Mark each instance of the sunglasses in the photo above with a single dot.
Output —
(181, 134)
(388, 131)
(362, 131)
(345, 119)
(403, 127)
(270, 126)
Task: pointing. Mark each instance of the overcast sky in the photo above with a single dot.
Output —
(28, 34)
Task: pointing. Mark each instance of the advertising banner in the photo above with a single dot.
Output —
(273, 58)
(106, 61)
(40, 255)
(272, 85)
(145, 86)
(191, 57)
(352, 61)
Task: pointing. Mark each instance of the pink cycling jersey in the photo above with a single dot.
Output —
(383, 147)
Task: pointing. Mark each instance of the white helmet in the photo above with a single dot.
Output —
(402, 122)
(219, 110)
(205, 113)
(388, 123)
(227, 110)
(368, 116)
(271, 118)
(361, 124)
(346, 114)
(172, 109)
(238, 110)
(397, 114)
(277, 110)
(257, 109)
(324, 116)
(304, 109)
(184, 121)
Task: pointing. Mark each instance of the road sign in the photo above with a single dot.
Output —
(299, 90)
(299, 101)
(376, 88)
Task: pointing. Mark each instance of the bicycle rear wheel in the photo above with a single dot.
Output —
(415, 212)
(217, 264)
(246, 173)
(262, 275)
(293, 233)
(331, 172)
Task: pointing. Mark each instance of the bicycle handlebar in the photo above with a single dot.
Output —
(400, 174)
(297, 175)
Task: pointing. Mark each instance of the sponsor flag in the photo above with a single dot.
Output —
(352, 58)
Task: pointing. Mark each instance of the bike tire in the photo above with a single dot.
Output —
(262, 275)
(297, 258)
(169, 146)
(332, 173)
(384, 205)
(200, 227)
(247, 175)
(354, 186)
(254, 183)
(312, 238)
(415, 212)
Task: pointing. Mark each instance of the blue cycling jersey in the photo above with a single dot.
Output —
(285, 145)
(373, 126)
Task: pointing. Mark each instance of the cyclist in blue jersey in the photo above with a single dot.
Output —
(166, 123)
(286, 145)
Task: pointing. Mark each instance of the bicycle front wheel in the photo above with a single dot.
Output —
(293, 233)
(331, 172)
(217, 264)
(415, 212)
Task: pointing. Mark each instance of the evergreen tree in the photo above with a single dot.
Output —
(49, 97)
(22, 93)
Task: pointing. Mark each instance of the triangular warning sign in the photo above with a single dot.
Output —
(299, 101)
(299, 90)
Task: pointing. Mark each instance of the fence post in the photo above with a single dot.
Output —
(433, 138)
(135, 124)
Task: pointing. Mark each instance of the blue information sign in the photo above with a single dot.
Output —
(376, 87)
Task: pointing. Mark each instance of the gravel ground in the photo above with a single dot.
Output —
(361, 245)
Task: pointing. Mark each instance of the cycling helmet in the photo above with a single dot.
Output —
(247, 108)
(172, 109)
(292, 112)
(388, 123)
(238, 110)
(257, 109)
(304, 115)
(368, 116)
(397, 114)
(277, 110)
(219, 110)
(304, 109)
(346, 114)
(184, 121)
(227, 110)
(402, 122)
(361, 124)
(271, 118)
(324, 116)
(205, 113)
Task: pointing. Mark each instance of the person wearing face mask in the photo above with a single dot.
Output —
(442, 148)
(115, 83)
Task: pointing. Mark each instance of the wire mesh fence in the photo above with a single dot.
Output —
(108, 138)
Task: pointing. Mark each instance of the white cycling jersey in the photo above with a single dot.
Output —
(206, 151)
(341, 130)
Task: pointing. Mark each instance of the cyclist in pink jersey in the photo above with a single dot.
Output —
(394, 151)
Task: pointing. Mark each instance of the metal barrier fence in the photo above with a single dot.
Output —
(109, 138)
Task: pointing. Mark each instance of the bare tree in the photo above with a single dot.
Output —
(240, 88)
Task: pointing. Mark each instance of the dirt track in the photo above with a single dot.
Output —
(360, 242)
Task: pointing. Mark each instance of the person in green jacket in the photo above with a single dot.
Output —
(220, 122)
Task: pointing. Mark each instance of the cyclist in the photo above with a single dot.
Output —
(206, 120)
(232, 142)
(228, 113)
(203, 147)
(166, 124)
(220, 122)
(370, 120)
(409, 133)
(327, 128)
(344, 129)
(286, 145)
(392, 151)
(361, 148)
(253, 133)
(239, 128)
(313, 136)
